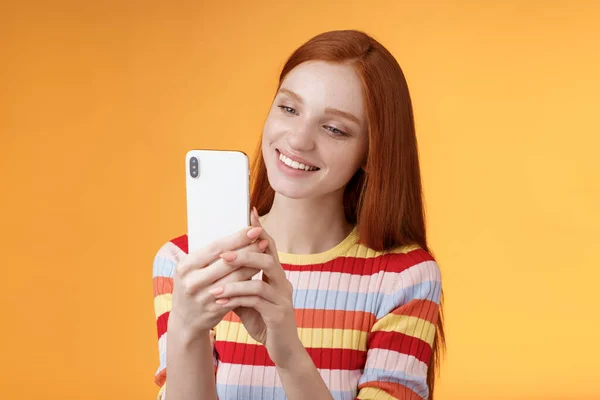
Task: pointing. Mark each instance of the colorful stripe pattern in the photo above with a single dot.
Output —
(366, 318)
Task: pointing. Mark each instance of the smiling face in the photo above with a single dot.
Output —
(315, 136)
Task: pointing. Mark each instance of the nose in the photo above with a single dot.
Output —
(301, 140)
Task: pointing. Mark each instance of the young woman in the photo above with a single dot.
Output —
(332, 293)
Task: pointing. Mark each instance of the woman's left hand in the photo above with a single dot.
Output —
(264, 306)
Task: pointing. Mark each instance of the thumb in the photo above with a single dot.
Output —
(271, 248)
(254, 221)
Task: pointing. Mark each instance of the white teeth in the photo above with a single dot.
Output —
(295, 164)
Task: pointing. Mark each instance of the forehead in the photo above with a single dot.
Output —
(323, 84)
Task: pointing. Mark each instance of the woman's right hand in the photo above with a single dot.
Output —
(193, 309)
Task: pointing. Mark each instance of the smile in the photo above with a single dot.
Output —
(295, 164)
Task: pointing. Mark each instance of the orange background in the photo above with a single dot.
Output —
(99, 102)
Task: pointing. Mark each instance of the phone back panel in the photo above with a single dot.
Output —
(218, 201)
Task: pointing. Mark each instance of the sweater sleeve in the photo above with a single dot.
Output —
(163, 269)
(399, 345)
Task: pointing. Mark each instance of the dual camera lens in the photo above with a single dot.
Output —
(194, 167)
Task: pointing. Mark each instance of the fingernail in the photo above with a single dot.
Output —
(228, 256)
(263, 244)
(222, 301)
(254, 232)
(216, 291)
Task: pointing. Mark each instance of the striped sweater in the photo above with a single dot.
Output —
(366, 318)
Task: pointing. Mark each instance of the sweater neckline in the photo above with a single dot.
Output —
(319, 258)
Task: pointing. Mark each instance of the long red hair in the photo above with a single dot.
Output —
(384, 199)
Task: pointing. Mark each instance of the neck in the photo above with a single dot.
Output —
(307, 226)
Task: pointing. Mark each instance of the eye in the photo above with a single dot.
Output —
(288, 110)
(335, 131)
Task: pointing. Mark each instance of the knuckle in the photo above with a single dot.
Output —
(287, 293)
(253, 301)
(240, 256)
(198, 298)
(228, 288)
(240, 240)
(180, 269)
(253, 247)
(188, 288)
(212, 308)
(289, 303)
(215, 249)
(237, 275)
(245, 249)
(231, 277)
(260, 287)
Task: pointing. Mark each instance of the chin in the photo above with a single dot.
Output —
(289, 189)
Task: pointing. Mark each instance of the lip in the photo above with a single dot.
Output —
(296, 158)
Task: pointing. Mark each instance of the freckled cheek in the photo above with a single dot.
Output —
(273, 130)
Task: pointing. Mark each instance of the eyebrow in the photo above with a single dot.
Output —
(328, 110)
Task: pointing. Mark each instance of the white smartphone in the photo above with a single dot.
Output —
(218, 195)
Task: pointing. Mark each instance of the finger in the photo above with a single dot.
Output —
(242, 274)
(265, 262)
(204, 277)
(210, 253)
(247, 288)
(218, 273)
(221, 273)
(255, 221)
(254, 218)
(261, 305)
